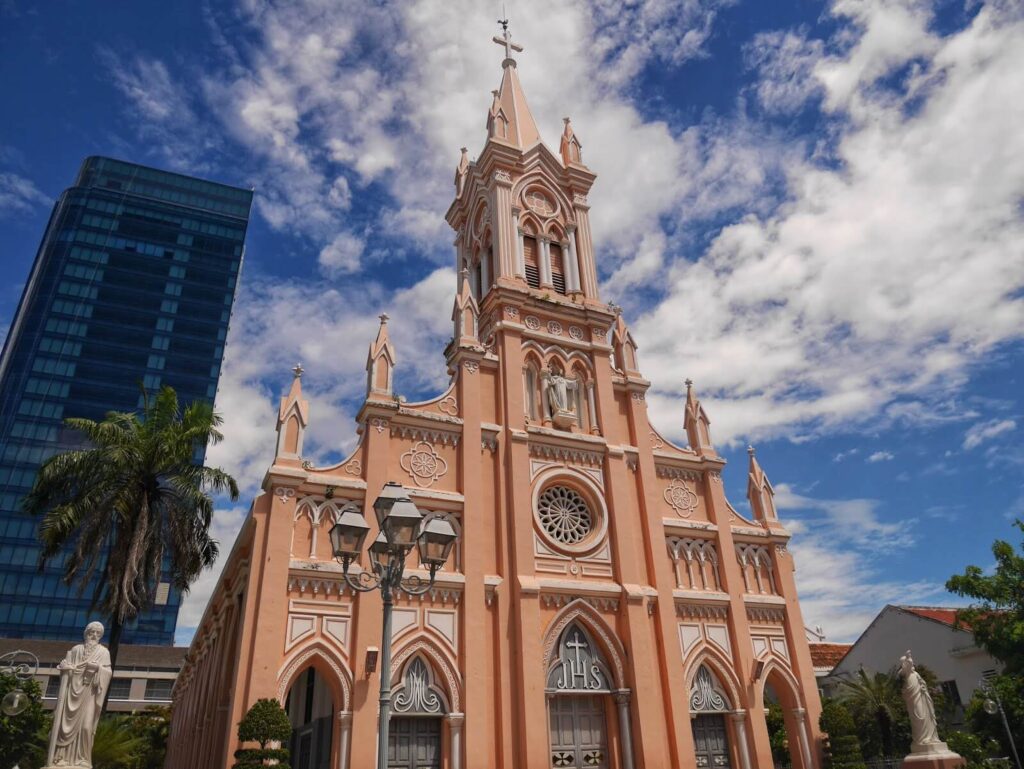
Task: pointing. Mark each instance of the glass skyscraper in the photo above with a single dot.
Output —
(132, 285)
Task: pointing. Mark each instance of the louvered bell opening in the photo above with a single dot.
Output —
(532, 276)
(557, 268)
(530, 260)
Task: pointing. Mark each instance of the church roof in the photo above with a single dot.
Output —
(828, 655)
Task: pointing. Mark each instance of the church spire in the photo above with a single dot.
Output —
(759, 491)
(697, 424)
(380, 363)
(510, 118)
(292, 418)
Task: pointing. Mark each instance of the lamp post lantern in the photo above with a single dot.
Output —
(993, 705)
(401, 528)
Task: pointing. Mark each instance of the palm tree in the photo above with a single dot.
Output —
(132, 496)
(874, 697)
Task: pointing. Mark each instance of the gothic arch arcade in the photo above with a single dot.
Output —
(605, 605)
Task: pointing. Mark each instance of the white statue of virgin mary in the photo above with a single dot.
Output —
(84, 677)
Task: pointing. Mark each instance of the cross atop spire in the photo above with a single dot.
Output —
(298, 370)
(506, 41)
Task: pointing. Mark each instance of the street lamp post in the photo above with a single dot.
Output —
(23, 666)
(993, 705)
(401, 528)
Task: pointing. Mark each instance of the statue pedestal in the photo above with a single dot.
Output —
(935, 755)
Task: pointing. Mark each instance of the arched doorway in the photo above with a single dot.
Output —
(310, 709)
(578, 685)
(789, 738)
(418, 707)
(709, 708)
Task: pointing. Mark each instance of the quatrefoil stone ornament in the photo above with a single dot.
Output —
(424, 464)
(680, 498)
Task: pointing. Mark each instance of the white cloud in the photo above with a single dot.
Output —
(845, 454)
(986, 431)
(19, 195)
(855, 521)
(880, 456)
(785, 61)
(342, 255)
(852, 293)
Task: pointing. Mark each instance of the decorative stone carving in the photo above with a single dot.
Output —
(576, 332)
(472, 366)
(656, 441)
(449, 406)
(502, 176)
(706, 696)
(554, 327)
(680, 498)
(512, 312)
(354, 467)
(284, 493)
(379, 424)
(564, 515)
(532, 322)
(579, 667)
(599, 334)
(417, 694)
(85, 674)
(418, 433)
(639, 397)
(423, 464)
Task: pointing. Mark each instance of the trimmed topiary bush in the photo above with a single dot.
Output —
(265, 722)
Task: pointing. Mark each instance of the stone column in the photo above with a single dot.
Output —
(344, 737)
(486, 257)
(455, 722)
(625, 728)
(545, 262)
(573, 264)
(595, 426)
(739, 719)
(520, 263)
(800, 716)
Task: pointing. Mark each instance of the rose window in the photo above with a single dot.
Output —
(564, 515)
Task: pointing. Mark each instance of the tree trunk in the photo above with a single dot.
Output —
(113, 645)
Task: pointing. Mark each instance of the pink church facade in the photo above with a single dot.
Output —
(605, 605)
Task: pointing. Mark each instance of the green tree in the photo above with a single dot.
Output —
(19, 735)
(132, 497)
(874, 700)
(265, 722)
(117, 745)
(1010, 690)
(996, 614)
(843, 744)
(974, 749)
(777, 736)
(152, 725)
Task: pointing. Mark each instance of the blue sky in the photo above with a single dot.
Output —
(813, 209)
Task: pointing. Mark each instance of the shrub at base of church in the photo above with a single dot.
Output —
(265, 722)
(843, 751)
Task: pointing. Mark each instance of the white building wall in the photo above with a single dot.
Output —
(951, 654)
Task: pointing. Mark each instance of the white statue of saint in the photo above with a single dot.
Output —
(923, 730)
(560, 393)
(84, 677)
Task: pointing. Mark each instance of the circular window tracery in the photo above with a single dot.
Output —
(564, 515)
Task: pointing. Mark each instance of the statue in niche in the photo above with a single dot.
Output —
(561, 393)
(923, 730)
(85, 674)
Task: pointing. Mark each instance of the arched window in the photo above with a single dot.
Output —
(579, 666)
(557, 267)
(531, 390)
(531, 258)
